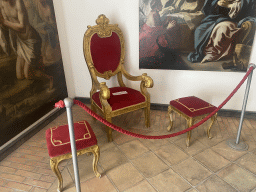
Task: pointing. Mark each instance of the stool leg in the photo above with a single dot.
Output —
(190, 122)
(213, 118)
(54, 166)
(109, 130)
(170, 111)
(96, 152)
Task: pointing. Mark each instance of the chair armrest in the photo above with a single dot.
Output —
(104, 91)
(104, 96)
(148, 82)
(131, 77)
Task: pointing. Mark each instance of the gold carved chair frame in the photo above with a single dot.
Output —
(104, 30)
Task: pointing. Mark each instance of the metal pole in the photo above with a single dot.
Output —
(68, 103)
(244, 107)
(236, 144)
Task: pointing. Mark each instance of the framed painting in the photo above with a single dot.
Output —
(31, 70)
(207, 35)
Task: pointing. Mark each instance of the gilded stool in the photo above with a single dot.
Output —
(192, 109)
(59, 148)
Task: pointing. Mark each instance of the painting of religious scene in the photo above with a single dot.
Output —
(31, 70)
(204, 35)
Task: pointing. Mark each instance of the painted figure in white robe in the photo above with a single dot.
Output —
(24, 40)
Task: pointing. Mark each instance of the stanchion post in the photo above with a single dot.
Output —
(68, 103)
(236, 144)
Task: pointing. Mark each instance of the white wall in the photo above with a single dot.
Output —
(73, 16)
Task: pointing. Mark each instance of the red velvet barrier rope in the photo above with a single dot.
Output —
(61, 104)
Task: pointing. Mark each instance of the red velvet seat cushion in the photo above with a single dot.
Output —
(58, 140)
(106, 52)
(192, 106)
(121, 101)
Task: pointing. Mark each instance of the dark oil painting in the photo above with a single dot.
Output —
(205, 35)
(31, 70)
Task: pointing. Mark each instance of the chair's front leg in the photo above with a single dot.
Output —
(108, 129)
(170, 112)
(54, 166)
(213, 119)
(146, 82)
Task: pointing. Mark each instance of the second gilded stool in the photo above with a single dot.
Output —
(59, 148)
(191, 108)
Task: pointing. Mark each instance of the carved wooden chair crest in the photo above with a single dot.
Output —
(104, 52)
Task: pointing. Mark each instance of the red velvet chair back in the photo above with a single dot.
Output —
(105, 52)
(104, 48)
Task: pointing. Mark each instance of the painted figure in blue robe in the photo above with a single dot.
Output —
(216, 36)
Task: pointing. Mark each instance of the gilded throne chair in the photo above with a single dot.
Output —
(104, 51)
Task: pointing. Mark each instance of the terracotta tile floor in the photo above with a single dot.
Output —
(129, 164)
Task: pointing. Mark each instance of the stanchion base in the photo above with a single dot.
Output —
(241, 146)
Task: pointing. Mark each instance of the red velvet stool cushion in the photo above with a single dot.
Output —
(192, 106)
(58, 140)
(132, 97)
